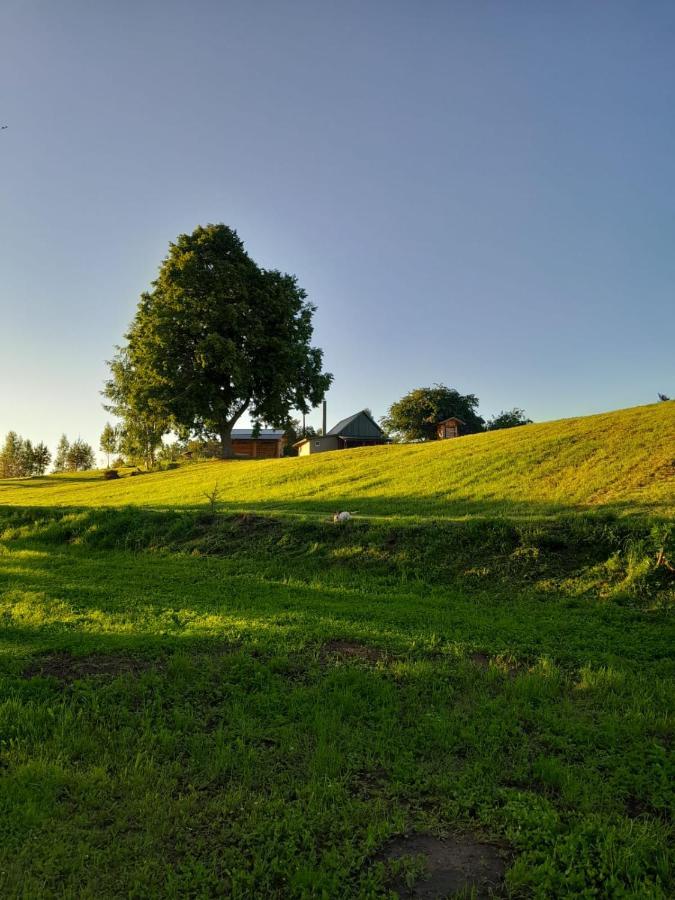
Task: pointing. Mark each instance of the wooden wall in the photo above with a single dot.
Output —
(447, 430)
(257, 449)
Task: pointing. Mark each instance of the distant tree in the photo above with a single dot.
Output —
(109, 441)
(169, 452)
(215, 337)
(26, 459)
(80, 457)
(414, 416)
(510, 418)
(61, 458)
(20, 459)
(293, 433)
(664, 397)
(143, 421)
(11, 461)
(139, 439)
(41, 458)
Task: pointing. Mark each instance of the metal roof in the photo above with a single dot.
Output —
(266, 434)
(342, 426)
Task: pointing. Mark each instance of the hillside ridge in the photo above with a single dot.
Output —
(621, 461)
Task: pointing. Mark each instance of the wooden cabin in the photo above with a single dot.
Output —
(269, 444)
(449, 428)
(359, 430)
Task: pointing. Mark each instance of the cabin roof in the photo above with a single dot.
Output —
(451, 419)
(360, 425)
(266, 434)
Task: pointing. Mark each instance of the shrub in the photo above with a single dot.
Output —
(111, 474)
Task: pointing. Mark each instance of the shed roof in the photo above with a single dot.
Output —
(266, 434)
(360, 425)
(452, 419)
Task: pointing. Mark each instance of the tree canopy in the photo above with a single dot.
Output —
(109, 441)
(217, 336)
(76, 457)
(21, 458)
(509, 418)
(414, 416)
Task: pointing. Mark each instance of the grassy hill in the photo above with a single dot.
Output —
(469, 686)
(621, 461)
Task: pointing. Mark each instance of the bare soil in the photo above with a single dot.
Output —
(452, 865)
(67, 668)
(352, 650)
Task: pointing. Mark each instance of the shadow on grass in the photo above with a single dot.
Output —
(85, 600)
(50, 481)
(441, 504)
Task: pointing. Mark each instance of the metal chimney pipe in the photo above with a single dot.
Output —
(324, 418)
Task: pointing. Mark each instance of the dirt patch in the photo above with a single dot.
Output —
(351, 650)
(366, 785)
(482, 660)
(452, 865)
(67, 668)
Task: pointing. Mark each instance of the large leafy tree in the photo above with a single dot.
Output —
(414, 416)
(216, 337)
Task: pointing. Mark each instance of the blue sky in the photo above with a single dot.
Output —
(481, 194)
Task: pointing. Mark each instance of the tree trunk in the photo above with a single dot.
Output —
(226, 448)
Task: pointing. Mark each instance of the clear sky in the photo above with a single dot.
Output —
(475, 193)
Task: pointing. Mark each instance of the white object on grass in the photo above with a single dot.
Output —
(342, 517)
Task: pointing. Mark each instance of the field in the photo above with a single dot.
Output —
(468, 687)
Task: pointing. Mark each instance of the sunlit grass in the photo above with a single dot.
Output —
(252, 706)
(616, 460)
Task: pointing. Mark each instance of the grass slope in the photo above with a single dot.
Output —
(256, 705)
(621, 461)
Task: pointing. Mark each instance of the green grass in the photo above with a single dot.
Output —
(253, 705)
(621, 461)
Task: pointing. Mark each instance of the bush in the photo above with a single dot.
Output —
(111, 474)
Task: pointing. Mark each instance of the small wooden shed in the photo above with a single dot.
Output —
(449, 428)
